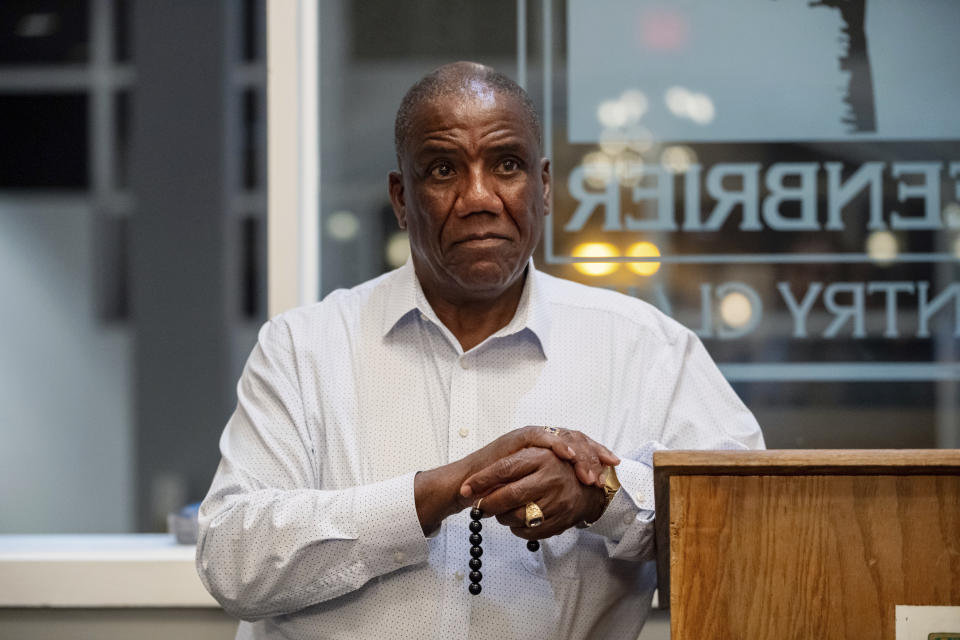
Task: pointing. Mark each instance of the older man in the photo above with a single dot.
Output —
(361, 436)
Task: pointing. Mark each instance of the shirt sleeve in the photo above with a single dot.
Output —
(704, 412)
(271, 542)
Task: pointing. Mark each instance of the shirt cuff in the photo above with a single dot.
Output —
(629, 501)
(627, 522)
(390, 533)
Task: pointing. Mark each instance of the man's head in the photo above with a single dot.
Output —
(452, 78)
(472, 187)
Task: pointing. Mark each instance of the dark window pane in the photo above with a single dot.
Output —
(254, 20)
(384, 29)
(121, 30)
(111, 267)
(251, 141)
(121, 138)
(43, 31)
(251, 268)
(45, 140)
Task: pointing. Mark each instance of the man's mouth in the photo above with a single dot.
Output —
(480, 240)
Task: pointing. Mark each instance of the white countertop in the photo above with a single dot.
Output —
(135, 570)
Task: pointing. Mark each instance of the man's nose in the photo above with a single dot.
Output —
(479, 194)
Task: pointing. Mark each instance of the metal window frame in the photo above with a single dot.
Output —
(293, 154)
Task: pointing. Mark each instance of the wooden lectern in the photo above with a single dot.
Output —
(756, 545)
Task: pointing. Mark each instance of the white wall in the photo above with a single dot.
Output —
(65, 401)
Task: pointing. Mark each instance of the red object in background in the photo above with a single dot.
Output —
(662, 29)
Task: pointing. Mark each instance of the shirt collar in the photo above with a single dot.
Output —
(405, 298)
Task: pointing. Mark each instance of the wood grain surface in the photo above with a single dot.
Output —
(810, 462)
(809, 557)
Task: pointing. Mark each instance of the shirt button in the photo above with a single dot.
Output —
(464, 432)
(464, 364)
(399, 557)
(458, 576)
(628, 518)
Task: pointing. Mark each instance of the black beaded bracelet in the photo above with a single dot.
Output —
(476, 550)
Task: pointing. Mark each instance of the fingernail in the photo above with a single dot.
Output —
(466, 491)
(571, 452)
(592, 476)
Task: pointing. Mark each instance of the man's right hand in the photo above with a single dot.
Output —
(440, 492)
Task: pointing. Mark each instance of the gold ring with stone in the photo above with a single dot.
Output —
(534, 516)
(552, 430)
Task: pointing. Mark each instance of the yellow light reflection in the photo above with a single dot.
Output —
(638, 138)
(612, 142)
(882, 247)
(735, 309)
(398, 249)
(677, 158)
(343, 226)
(951, 215)
(643, 250)
(629, 168)
(595, 250)
(597, 169)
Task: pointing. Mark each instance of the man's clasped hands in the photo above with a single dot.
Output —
(560, 470)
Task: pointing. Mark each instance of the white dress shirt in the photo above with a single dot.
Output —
(310, 527)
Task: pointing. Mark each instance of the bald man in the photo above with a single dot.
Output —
(439, 452)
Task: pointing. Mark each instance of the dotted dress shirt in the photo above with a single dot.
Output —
(310, 528)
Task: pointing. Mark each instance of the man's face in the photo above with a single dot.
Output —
(473, 193)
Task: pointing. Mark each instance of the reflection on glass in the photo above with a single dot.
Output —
(643, 250)
(343, 225)
(882, 247)
(625, 110)
(398, 249)
(629, 168)
(862, 114)
(684, 103)
(38, 33)
(677, 158)
(595, 250)
(597, 169)
(639, 138)
(736, 310)
(951, 215)
(612, 141)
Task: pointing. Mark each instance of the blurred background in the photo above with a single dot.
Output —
(133, 210)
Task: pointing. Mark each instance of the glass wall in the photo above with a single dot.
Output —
(370, 53)
(132, 257)
(781, 177)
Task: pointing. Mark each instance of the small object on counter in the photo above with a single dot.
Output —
(183, 523)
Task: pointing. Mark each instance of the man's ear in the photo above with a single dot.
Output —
(545, 177)
(395, 187)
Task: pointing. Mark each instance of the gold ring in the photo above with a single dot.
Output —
(552, 430)
(534, 516)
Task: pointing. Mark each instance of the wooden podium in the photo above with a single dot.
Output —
(755, 545)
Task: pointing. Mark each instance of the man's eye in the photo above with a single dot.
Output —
(441, 170)
(509, 165)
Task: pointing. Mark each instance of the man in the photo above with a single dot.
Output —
(340, 508)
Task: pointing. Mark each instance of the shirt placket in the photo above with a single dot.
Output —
(461, 440)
